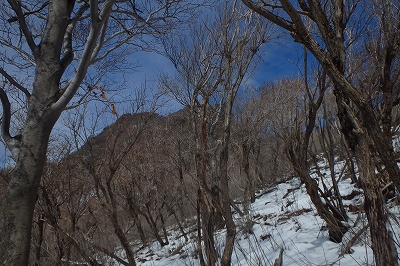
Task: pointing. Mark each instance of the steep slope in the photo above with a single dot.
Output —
(284, 218)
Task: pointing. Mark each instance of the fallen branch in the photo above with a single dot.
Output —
(289, 190)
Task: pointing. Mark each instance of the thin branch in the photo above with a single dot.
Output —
(91, 42)
(79, 102)
(347, 248)
(36, 12)
(16, 6)
(13, 143)
(281, 22)
(74, 243)
(100, 43)
(15, 83)
(25, 54)
(68, 55)
(101, 248)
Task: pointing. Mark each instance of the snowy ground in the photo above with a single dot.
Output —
(289, 223)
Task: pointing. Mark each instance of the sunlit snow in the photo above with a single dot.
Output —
(289, 223)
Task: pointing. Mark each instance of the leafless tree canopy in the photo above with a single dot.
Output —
(49, 47)
(99, 196)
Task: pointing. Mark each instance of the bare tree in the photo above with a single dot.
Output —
(211, 71)
(331, 31)
(65, 214)
(196, 61)
(94, 198)
(251, 117)
(123, 179)
(242, 36)
(257, 137)
(55, 43)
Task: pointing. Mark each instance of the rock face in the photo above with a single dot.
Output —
(139, 128)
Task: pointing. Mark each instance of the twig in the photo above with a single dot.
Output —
(347, 248)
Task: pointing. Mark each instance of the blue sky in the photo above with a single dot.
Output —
(277, 61)
(280, 60)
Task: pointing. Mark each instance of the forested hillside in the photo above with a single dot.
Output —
(106, 161)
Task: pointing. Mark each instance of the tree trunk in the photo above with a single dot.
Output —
(164, 228)
(122, 238)
(226, 211)
(207, 200)
(48, 98)
(40, 224)
(199, 235)
(153, 225)
(258, 170)
(113, 215)
(336, 229)
(248, 194)
(351, 165)
(22, 192)
(224, 183)
(133, 212)
(177, 220)
(383, 245)
(328, 144)
(207, 226)
(216, 214)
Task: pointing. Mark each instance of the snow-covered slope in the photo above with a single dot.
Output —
(280, 220)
